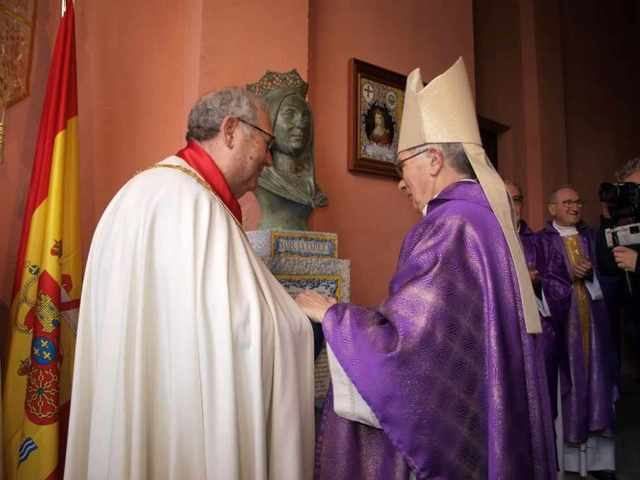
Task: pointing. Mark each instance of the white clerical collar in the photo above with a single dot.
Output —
(565, 231)
(424, 209)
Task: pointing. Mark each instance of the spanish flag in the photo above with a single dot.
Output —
(46, 291)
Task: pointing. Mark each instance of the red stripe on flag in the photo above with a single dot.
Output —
(61, 104)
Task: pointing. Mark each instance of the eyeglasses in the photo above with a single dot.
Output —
(570, 203)
(270, 138)
(399, 164)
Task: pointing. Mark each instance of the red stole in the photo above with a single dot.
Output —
(205, 165)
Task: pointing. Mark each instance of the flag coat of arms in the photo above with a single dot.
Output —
(46, 293)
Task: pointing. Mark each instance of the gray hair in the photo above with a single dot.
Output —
(628, 168)
(456, 158)
(206, 116)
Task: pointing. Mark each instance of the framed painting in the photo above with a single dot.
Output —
(376, 99)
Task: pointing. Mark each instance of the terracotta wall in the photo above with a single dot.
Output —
(502, 71)
(368, 213)
(570, 74)
(499, 68)
(602, 94)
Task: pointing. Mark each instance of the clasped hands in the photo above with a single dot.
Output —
(582, 268)
(314, 305)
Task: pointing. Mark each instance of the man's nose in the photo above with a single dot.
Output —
(402, 186)
(268, 158)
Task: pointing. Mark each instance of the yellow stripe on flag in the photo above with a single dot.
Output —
(53, 246)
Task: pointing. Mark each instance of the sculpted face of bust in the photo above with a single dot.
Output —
(292, 126)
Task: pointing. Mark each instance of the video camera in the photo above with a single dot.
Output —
(623, 202)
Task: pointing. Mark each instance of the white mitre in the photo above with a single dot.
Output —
(444, 112)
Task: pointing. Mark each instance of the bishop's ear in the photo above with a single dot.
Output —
(436, 161)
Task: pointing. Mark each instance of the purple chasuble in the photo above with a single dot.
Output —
(587, 390)
(528, 240)
(445, 362)
(548, 341)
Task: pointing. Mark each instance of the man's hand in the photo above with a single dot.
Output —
(314, 305)
(582, 268)
(626, 258)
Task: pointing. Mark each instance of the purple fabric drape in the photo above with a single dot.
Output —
(587, 390)
(445, 362)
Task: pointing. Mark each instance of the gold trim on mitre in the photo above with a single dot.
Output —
(444, 112)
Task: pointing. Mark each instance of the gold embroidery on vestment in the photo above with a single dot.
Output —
(574, 254)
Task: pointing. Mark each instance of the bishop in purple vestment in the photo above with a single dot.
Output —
(445, 365)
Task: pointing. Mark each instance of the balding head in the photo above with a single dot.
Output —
(565, 206)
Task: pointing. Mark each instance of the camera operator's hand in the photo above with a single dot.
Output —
(625, 258)
(582, 269)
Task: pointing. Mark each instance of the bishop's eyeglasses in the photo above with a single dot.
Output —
(400, 163)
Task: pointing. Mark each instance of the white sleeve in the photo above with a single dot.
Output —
(543, 306)
(593, 287)
(347, 402)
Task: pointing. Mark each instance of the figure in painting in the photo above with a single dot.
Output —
(379, 125)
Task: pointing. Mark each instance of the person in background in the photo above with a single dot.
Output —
(569, 279)
(622, 268)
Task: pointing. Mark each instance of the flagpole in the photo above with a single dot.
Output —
(63, 7)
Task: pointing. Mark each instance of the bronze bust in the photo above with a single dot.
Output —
(287, 192)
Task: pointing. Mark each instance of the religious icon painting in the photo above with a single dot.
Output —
(376, 101)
